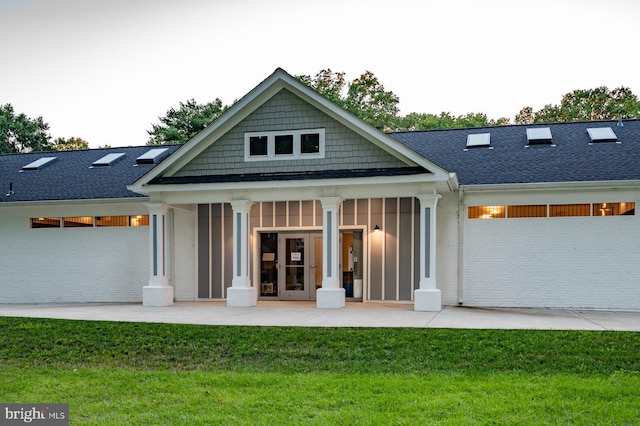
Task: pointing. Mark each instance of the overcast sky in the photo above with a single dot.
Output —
(105, 70)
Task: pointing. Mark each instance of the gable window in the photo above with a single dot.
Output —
(258, 145)
(310, 143)
(284, 145)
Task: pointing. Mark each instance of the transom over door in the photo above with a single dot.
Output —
(300, 264)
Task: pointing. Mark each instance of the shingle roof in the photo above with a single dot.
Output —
(71, 177)
(571, 157)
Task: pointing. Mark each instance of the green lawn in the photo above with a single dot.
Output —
(143, 374)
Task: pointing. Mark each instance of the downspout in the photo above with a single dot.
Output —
(461, 217)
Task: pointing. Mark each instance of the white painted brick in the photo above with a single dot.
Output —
(566, 262)
(107, 264)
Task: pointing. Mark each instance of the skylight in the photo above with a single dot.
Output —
(108, 159)
(39, 163)
(478, 139)
(539, 135)
(602, 134)
(150, 156)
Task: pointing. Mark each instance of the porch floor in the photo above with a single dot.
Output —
(355, 314)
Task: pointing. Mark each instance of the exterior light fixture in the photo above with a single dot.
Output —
(376, 229)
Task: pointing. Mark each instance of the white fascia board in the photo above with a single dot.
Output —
(75, 202)
(277, 193)
(290, 184)
(546, 186)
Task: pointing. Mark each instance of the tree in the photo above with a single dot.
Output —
(367, 98)
(597, 104)
(19, 133)
(364, 97)
(70, 144)
(180, 125)
(328, 83)
(417, 121)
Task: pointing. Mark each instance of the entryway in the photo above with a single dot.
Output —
(300, 271)
(291, 264)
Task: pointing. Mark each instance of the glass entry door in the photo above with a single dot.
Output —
(299, 263)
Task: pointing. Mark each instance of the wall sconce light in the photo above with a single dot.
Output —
(376, 228)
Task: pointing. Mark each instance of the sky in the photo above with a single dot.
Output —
(105, 70)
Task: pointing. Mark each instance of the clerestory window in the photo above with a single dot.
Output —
(284, 145)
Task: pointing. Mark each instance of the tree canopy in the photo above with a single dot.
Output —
(180, 125)
(585, 105)
(364, 97)
(70, 144)
(368, 99)
(19, 133)
(418, 121)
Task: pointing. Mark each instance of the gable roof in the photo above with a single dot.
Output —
(570, 157)
(71, 175)
(273, 84)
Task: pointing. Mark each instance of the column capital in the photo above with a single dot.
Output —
(160, 208)
(241, 205)
(330, 202)
(429, 199)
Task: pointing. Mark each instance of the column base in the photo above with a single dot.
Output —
(427, 300)
(157, 296)
(330, 298)
(242, 297)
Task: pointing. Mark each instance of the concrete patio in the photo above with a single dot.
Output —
(305, 314)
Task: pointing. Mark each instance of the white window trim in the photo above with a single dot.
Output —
(271, 145)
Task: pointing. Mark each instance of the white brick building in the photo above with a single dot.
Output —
(288, 197)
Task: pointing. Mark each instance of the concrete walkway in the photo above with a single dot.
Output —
(353, 315)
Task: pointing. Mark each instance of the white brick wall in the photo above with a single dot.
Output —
(72, 264)
(447, 248)
(567, 262)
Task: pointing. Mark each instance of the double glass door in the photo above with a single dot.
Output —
(300, 265)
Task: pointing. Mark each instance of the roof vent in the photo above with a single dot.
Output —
(39, 163)
(602, 134)
(107, 160)
(478, 140)
(539, 135)
(150, 156)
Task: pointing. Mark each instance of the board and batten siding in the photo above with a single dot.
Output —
(392, 263)
(184, 255)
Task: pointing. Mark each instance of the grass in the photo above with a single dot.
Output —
(139, 374)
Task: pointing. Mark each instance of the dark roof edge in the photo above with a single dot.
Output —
(265, 177)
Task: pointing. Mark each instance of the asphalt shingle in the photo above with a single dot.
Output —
(71, 177)
(571, 157)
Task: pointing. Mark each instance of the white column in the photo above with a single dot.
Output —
(428, 297)
(241, 293)
(331, 295)
(158, 292)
